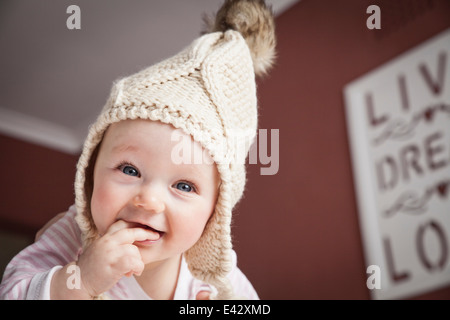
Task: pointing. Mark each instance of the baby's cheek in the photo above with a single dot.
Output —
(102, 204)
(194, 233)
(194, 230)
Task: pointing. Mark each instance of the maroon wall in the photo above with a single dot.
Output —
(36, 184)
(296, 232)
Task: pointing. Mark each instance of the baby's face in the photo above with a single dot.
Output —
(135, 180)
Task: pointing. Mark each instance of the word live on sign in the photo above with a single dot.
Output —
(399, 128)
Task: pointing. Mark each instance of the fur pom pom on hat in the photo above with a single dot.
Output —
(207, 90)
(254, 21)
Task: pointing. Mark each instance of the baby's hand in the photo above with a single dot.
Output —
(203, 295)
(112, 256)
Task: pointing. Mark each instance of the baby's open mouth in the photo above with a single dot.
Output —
(157, 234)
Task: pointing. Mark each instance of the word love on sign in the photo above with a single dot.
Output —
(398, 119)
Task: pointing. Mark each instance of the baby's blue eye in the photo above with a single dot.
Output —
(183, 186)
(129, 170)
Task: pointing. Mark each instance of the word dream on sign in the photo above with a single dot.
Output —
(399, 128)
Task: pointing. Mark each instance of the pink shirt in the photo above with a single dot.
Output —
(29, 273)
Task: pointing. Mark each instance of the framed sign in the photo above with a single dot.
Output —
(398, 119)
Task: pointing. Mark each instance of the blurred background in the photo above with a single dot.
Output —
(297, 233)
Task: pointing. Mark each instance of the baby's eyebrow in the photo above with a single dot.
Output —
(124, 148)
(192, 170)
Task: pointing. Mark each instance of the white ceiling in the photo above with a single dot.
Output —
(54, 81)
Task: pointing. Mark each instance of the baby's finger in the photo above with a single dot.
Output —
(203, 295)
(131, 235)
(118, 225)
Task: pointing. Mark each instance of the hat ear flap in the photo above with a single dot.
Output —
(210, 259)
(84, 218)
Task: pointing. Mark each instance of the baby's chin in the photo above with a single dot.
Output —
(152, 260)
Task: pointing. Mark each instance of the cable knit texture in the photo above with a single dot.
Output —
(208, 91)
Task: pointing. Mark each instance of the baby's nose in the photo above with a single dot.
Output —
(149, 202)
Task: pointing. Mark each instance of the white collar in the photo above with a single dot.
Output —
(182, 290)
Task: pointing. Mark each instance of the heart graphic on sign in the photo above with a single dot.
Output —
(442, 189)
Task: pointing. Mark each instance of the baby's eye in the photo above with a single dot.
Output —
(184, 186)
(129, 170)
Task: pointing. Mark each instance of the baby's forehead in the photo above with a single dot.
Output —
(129, 135)
(154, 139)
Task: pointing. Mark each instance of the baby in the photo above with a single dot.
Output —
(145, 226)
(147, 211)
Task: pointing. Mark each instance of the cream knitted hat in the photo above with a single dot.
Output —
(208, 91)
